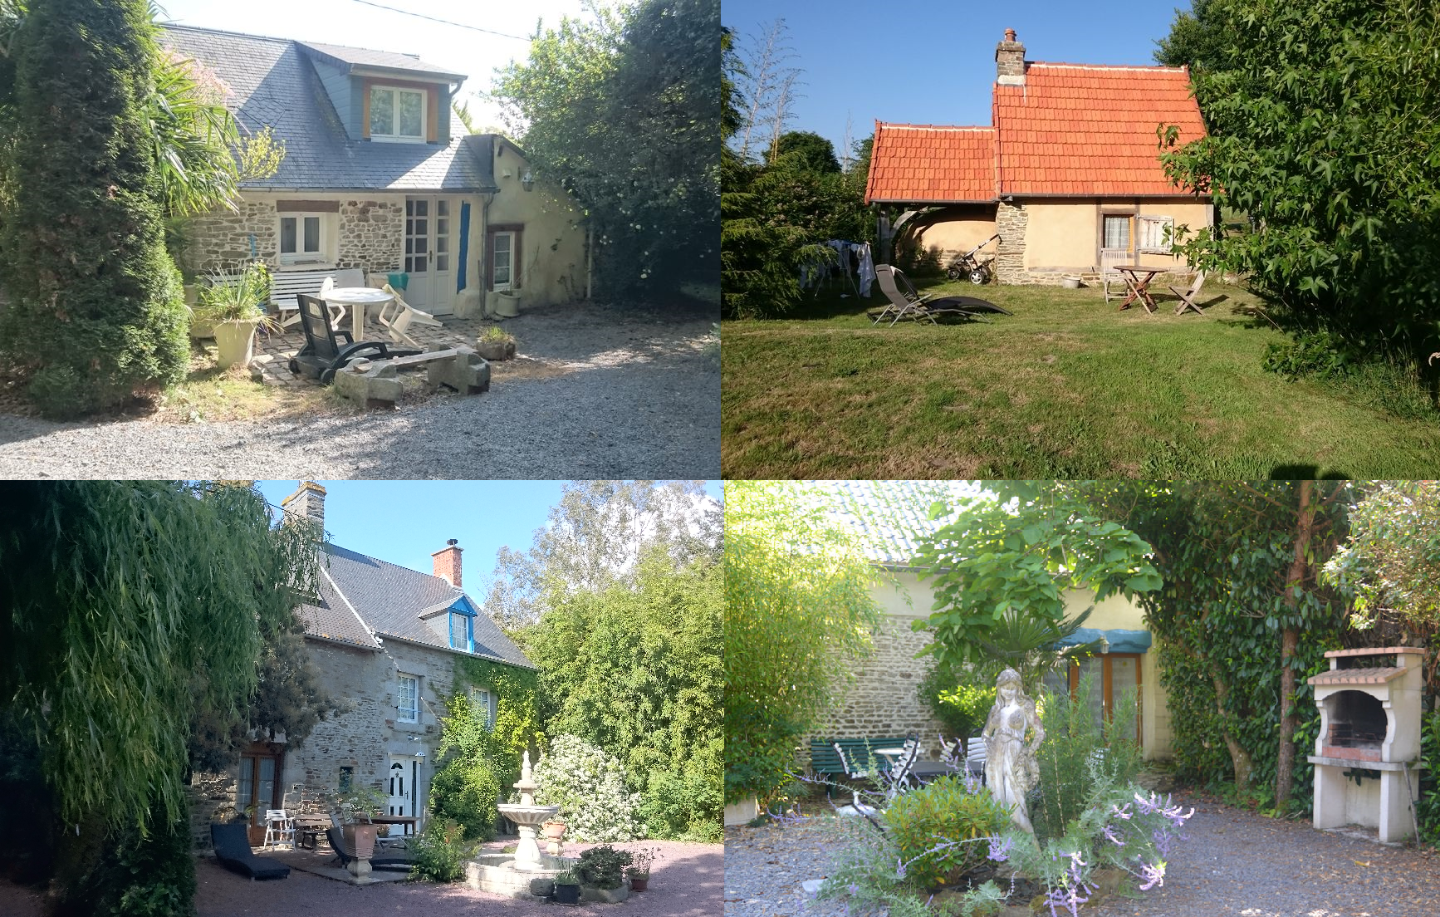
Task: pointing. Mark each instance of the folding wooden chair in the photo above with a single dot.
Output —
(1187, 297)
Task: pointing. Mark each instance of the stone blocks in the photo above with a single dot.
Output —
(467, 372)
(375, 385)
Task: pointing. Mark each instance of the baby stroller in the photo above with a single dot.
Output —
(967, 266)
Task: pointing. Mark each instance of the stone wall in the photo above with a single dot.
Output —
(372, 235)
(1010, 222)
(882, 702)
(216, 241)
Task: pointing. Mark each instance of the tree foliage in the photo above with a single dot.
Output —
(635, 669)
(1199, 37)
(624, 111)
(798, 610)
(473, 769)
(595, 537)
(1322, 130)
(1000, 570)
(816, 153)
(95, 308)
(1390, 562)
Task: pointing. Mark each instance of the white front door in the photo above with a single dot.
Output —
(429, 253)
(404, 785)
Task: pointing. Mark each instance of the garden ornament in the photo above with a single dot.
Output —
(1010, 766)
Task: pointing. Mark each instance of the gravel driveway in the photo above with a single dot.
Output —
(612, 393)
(684, 882)
(1234, 864)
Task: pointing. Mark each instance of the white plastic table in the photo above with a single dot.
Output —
(358, 299)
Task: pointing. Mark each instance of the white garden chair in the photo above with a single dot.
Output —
(397, 316)
(279, 828)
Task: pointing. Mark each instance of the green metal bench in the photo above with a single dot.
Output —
(826, 764)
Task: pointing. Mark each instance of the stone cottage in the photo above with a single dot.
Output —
(1068, 172)
(385, 639)
(883, 701)
(380, 174)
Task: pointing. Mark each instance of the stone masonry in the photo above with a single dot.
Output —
(1011, 221)
(217, 241)
(372, 235)
(882, 701)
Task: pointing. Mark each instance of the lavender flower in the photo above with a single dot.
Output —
(1122, 812)
(1112, 837)
(1153, 875)
(1000, 848)
(1162, 840)
(899, 869)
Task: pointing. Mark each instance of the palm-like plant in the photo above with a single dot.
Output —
(1030, 645)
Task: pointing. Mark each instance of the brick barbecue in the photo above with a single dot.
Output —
(1369, 722)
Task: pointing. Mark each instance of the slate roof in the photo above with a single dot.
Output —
(364, 58)
(1071, 130)
(272, 83)
(360, 594)
(889, 514)
(924, 161)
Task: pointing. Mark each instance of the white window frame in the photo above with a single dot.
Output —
(1150, 234)
(468, 639)
(395, 92)
(509, 283)
(319, 256)
(411, 715)
(479, 695)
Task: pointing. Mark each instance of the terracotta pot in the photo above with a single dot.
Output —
(361, 840)
(638, 884)
(554, 830)
(236, 342)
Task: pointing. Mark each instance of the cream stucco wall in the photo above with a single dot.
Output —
(908, 600)
(955, 230)
(553, 246)
(1064, 234)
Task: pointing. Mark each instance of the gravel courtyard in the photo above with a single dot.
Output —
(1234, 864)
(603, 393)
(684, 882)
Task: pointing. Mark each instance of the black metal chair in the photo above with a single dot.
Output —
(322, 356)
(232, 850)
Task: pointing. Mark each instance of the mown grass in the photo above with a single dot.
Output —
(1068, 387)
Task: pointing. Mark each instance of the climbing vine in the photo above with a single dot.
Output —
(517, 702)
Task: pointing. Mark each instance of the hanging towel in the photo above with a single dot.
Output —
(867, 269)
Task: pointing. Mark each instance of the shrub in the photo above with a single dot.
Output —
(681, 805)
(441, 851)
(864, 872)
(1075, 751)
(589, 786)
(467, 785)
(603, 866)
(82, 249)
(1427, 807)
(950, 808)
(960, 707)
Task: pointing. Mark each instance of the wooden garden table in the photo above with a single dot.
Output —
(1139, 286)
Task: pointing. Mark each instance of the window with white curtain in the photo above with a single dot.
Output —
(1117, 233)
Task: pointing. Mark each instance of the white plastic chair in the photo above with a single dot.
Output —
(1109, 257)
(279, 828)
(397, 316)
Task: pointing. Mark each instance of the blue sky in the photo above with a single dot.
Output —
(934, 62)
(404, 522)
(348, 22)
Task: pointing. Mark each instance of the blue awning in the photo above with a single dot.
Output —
(1121, 641)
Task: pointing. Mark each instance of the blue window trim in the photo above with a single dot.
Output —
(469, 637)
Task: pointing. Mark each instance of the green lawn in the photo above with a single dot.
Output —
(1068, 387)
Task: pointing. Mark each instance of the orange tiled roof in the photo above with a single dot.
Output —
(1081, 129)
(1072, 129)
(928, 162)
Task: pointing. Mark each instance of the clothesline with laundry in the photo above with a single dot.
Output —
(853, 264)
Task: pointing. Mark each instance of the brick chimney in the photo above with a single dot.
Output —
(307, 503)
(447, 563)
(1010, 61)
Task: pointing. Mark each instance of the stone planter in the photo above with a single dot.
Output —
(361, 839)
(505, 303)
(639, 883)
(495, 352)
(236, 342)
(603, 895)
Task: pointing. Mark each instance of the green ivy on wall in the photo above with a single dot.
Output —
(517, 702)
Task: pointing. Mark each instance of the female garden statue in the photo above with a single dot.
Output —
(1010, 766)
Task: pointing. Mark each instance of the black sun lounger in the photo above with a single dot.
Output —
(232, 849)
(343, 851)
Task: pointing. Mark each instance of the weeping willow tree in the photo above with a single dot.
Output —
(128, 605)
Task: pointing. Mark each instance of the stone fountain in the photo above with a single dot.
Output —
(526, 815)
(527, 873)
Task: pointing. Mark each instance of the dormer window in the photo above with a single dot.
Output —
(462, 631)
(397, 115)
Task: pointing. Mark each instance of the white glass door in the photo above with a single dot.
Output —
(429, 254)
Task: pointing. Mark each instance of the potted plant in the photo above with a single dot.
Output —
(553, 828)
(602, 874)
(567, 888)
(495, 344)
(235, 306)
(639, 871)
(357, 806)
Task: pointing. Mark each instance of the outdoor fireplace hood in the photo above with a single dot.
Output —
(1369, 721)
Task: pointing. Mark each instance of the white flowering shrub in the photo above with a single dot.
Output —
(589, 786)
